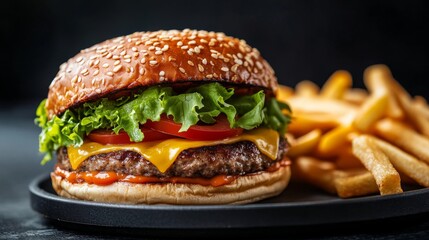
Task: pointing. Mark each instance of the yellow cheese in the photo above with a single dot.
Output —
(163, 153)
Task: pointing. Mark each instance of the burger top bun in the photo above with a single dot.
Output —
(149, 58)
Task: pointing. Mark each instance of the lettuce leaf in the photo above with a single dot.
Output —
(203, 103)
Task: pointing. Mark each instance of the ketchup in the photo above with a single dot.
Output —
(103, 178)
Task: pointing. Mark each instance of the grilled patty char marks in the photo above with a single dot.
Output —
(229, 159)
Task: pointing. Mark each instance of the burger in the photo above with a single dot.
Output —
(166, 117)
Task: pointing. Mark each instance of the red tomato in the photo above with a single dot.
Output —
(219, 130)
(109, 137)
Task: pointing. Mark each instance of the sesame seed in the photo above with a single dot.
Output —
(115, 57)
(120, 46)
(109, 73)
(123, 53)
(106, 65)
(96, 62)
(192, 42)
(109, 55)
(153, 62)
(79, 59)
(238, 61)
(79, 79)
(184, 47)
(179, 43)
(212, 63)
(141, 71)
(127, 56)
(191, 63)
(134, 49)
(211, 44)
(204, 61)
(117, 62)
(234, 68)
(182, 70)
(95, 72)
(209, 76)
(170, 58)
(240, 55)
(161, 78)
(143, 60)
(74, 79)
(151, 48)
(197, 49)
(84, 71)
(259, 65)
(203, 41)
(117, 68)
(190, 52)
(93, 57)
(98, 90)
(127, 60)
(214, 56)
(131, 69)
(136, 54)
(157, 48)
(161, 73)
(200, 68)
(225, 69)
(165, 48)
(158, 52)
(138, 43)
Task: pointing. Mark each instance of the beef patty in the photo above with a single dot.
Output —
(230, 159)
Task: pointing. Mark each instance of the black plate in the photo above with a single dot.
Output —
(297, 206)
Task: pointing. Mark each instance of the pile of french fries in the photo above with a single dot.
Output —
(355, 142)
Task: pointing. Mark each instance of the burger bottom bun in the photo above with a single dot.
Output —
(245, 189)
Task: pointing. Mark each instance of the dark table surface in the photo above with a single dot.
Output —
(20, 164)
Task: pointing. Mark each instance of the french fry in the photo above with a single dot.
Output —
(321, 106)
(377, 78)
(410, 109)
(371, 110)
(419, 100)
(332, 142)
(355, 96)
(284, 93)
(305, 144)
(354, 183)
(315, 172)
(307, 89)
(346, 159)
(404, 162)
(385, 175)
(304, 123)
(422, 109)
(336, 85)
(404, 137)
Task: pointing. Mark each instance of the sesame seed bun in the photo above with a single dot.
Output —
(148, 58)
(245, 189)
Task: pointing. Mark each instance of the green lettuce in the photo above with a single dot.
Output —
(203, 103)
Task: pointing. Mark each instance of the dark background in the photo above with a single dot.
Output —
(301, 39)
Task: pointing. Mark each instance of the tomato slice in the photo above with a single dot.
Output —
(109, 137)
(219, 130)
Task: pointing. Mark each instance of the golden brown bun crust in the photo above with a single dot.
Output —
(244, 189)
(149, 58)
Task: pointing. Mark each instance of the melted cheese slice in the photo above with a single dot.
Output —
(163, 153)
